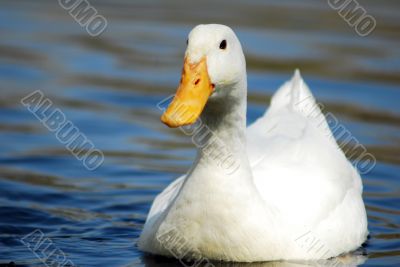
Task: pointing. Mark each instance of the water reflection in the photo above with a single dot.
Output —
(344, 261)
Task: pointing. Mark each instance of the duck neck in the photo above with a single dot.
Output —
(223, 129)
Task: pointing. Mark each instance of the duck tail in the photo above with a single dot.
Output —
(295, 95)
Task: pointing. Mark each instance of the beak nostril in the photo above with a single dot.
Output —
(197, 81)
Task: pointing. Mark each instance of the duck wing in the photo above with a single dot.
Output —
(301, 172)
(163, 200)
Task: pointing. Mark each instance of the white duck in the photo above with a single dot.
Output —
(279, 190)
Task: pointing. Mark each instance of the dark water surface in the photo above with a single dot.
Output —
(109, 86)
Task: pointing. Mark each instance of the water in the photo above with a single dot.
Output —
(109, 86)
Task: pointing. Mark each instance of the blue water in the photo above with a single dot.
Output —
(108, 86)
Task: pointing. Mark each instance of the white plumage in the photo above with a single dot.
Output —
(294, 196)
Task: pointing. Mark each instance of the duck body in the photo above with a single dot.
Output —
(292, 195)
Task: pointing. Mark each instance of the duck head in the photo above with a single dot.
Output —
(214, 63)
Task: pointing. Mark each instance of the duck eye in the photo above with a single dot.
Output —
(187, 41)
(222, 45)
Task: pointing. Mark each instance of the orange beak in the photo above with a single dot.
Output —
(191, 97)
